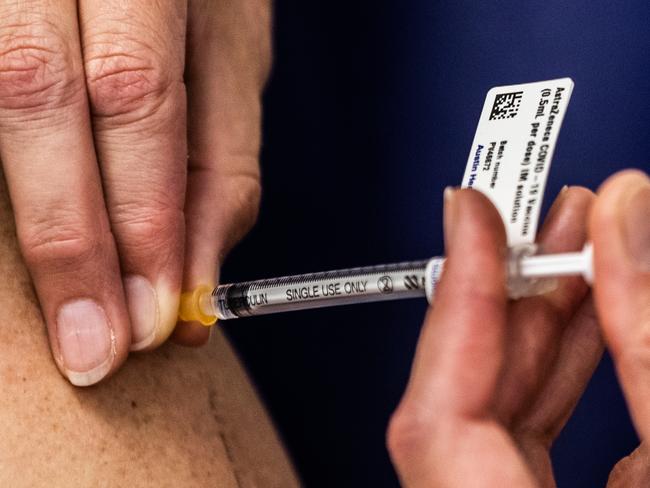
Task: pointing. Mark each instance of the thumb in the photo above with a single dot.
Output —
(620, 232)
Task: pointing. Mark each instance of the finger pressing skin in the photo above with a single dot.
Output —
(47, 151)
(536, 324)
(619, 228)
(134, 62)
(443, 428)
(223, 188)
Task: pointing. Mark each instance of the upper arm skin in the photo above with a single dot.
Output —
(174, 417)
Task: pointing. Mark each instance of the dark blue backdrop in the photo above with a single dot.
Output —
(369, 114)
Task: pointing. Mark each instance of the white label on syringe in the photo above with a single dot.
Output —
(512, 150)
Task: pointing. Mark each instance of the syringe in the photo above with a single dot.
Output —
(528, 275)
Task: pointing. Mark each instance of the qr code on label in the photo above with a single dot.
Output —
(506, 105)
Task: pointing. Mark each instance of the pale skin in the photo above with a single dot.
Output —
(173, 417)
(129, 138)
(493, 382)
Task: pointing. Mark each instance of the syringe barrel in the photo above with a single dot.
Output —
(528, 275)
(326, 289)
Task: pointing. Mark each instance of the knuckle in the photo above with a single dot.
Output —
(408, 434)
(147, 227)
(241, 193)
(633, 352)
(37, 68)
(59, 242)
(126, 78)
(247, 196)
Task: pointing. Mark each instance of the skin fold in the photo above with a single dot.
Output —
(173, 417)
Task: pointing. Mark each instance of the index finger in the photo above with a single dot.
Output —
(48, 155)
(134, 60)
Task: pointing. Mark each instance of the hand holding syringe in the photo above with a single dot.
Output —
(494, 381)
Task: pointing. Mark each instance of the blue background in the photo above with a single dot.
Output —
(370, 113)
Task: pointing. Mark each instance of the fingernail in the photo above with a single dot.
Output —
(561, 195)
(636, 226)
(143, 308)
(448, 195)
(555, 207)
(86, 341)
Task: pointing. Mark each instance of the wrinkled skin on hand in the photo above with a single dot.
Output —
(129, 136)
